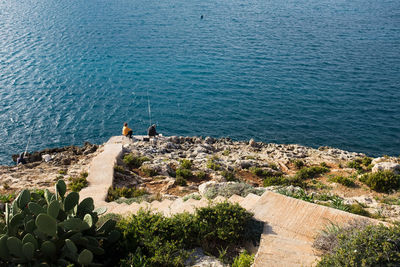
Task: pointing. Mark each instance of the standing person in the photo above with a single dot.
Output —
(126, 131)
(151, 132)
(21, 159)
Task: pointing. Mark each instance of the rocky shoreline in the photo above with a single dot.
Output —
(216, 166)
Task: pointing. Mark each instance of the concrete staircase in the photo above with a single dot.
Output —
(290, 225)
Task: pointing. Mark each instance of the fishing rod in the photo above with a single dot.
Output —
(148, 104)
(27, 145)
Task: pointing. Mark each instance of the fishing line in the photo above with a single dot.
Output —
(148, 104)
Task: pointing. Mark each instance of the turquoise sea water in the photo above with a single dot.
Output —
(313, 72)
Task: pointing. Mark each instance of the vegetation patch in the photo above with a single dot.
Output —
(371, 245)
(213, 164)
(298, 164)
(115, 193)
(7, 198)
(243, 260)
(186, 164)
(282, 180)
(76, 184)
(311, 172)
(134, 161)
(153, 239)
(150, 172)
(229, 176)
(201, 175)
(342, 180)
(381, 181)
(195, 196)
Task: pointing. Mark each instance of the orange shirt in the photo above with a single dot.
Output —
(125, 130)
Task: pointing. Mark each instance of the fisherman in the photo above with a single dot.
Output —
(126, 131)
(151, 132)
(21, 159)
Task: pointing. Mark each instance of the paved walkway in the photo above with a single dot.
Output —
(291, 225)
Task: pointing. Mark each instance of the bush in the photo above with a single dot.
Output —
(186, 164)
(298, 164)
(279, 180)
(201, 175)
(164, 241)
(195, 196)
(229, 176)
(366, 161)
(76, 184)
(323, 164)
(180, 181)
(134, 161)
(382, 181)
(311, 172)
(149, 171)
(213, 165)
(342, 180)
(356, 208)
(7, 198)
(184, 173)
(355, 164)
(115, 193)
(243, 260)
(374, 245)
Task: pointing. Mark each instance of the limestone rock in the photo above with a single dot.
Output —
(387, 166)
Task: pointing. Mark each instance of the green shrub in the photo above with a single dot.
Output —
(119, 168)
(355, 164)
(243, 260)
(201, 175)
(382, 181)
(149, 171)
(165, 241)
(134, 161)
(115, 193)
(62, 172)
(374, 245)
(273, 166)
(7, 198)
(356, 208)
(257, 171)
(298, 164)
(186, 164)
(55, 229)
(226, 152)
(311, 172)
(76, 184)
(184, 173)
(213, 165)
(272, 180)
(229, 176)
(342, 180)
(195, 196)
(323, 164)
(366, 161)
(180, 181)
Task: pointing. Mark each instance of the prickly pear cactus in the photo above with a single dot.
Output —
(53, 230)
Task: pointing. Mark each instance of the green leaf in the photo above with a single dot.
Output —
(61, 188)
(88, 219)
(4, 253)
(74, 224)
(46, 224)
(15, 246)
(31, 239)
(24, 198)
(71, 201)
(53, 209)
(85, 257)
(35, 208)
(71, 246)
(49, 249)
(28, 249)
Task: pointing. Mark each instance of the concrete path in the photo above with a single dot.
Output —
(290, 225)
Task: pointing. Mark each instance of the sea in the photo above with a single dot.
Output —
(310, 72)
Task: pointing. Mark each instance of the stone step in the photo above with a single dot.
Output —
(250, 201)
(235, 199)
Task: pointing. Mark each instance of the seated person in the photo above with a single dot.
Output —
(151, 132)
(126, 131)
(21, 159)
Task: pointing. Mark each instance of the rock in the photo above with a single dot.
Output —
(198, 259)
(253, 143)
(174, 139)
(209, 140)
(205, 186)
(387, 166)
(245, 164)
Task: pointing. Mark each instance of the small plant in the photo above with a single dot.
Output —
(134, 161)
(186, 164)
(366, 161)
(213, 165)
(273, 166)
(119, 168)
(311, 172)
(201, 175)
(357, 208)
(324, 165)
(149, 171)
(62, 172)
(243, 260)
(180, 181)
(192, 196)
(184, 173)
(227, 190)
(355, 164)
(342, 180)
(6, 186)
(381, 181)
(7, 198)
(226, 152)
(257, 171)
(115, 193)
(298, 164)
(76, 184)
(337, 203)
(278, 180)
(229, 176)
